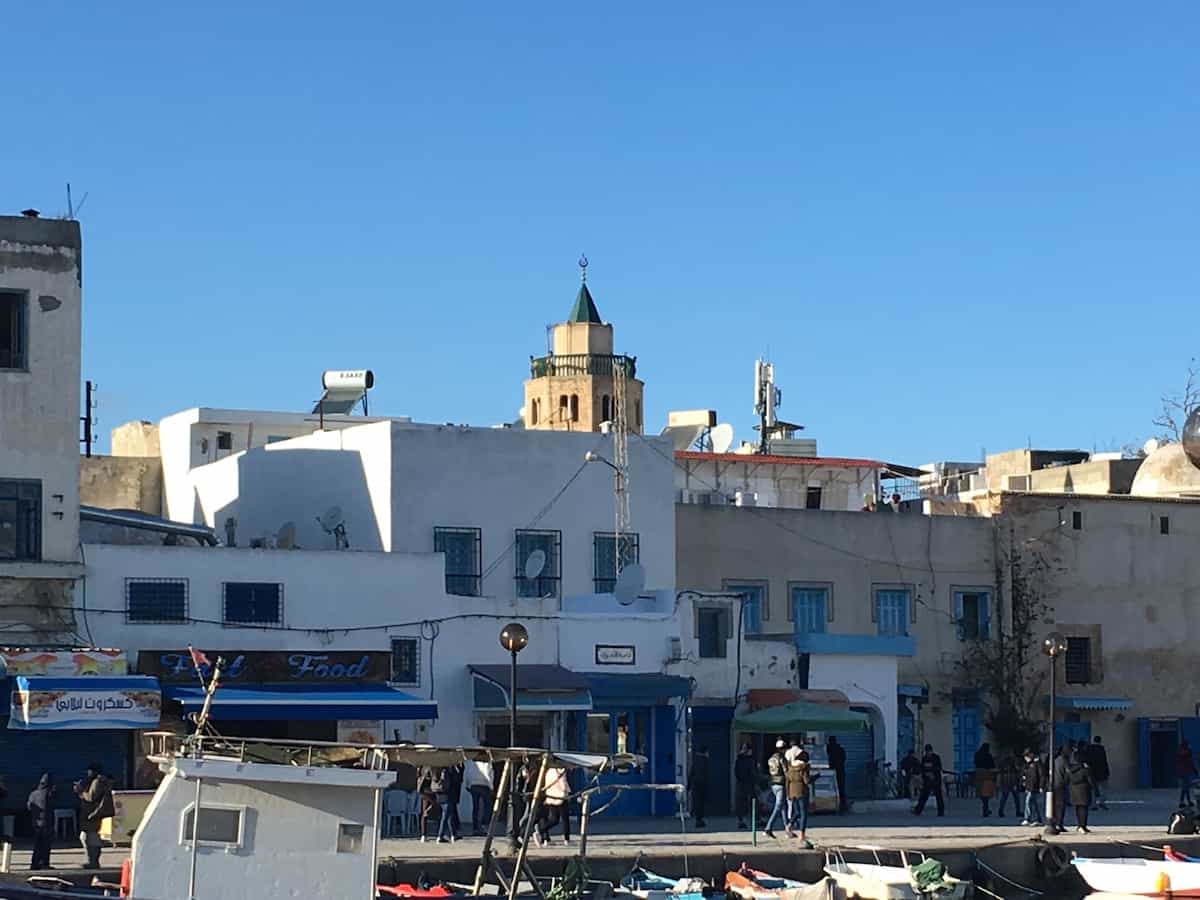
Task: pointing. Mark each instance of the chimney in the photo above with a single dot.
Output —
(30, 213)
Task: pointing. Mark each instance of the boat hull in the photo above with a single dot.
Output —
(874, 882)
(1142, 877)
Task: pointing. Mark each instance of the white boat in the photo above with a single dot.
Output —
(1142, 877)
(876, 881)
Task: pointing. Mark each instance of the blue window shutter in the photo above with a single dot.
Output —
(958, 616)
(985, 616)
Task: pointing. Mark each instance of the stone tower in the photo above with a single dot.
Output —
(574, 388)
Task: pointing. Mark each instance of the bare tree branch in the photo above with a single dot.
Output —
(1176, 407)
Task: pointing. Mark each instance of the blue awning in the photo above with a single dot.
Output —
(307, 703)
(912, 691)
(545, 688)
(1093, 703)
(646, 689)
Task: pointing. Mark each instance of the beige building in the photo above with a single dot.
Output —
(580, 383)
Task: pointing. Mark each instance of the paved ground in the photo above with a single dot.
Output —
(1138, 818)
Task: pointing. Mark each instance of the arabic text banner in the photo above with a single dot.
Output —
(91, 702)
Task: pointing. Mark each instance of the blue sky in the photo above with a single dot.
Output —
(952, 226)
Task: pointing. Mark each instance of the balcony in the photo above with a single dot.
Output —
(569, 364)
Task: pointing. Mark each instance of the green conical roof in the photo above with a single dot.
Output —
(584, 309)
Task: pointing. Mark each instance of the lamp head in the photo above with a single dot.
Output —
(514, 637)
(1054, 644)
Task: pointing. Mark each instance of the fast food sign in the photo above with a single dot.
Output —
(92, 703)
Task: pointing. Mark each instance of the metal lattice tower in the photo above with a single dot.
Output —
(620, 453)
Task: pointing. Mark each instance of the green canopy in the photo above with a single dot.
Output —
(800, 715)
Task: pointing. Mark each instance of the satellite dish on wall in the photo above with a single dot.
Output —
(630, 583)
(285, 538)
(330, 519)
(721, 438)
(535, 564)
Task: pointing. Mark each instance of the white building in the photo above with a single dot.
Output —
(40, 301)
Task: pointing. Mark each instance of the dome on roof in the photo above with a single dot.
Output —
(1167, 472)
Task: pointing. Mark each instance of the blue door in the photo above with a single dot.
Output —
(625, 731)
(966, 733)
(710, 728)
(906, 732)
(1071, 731)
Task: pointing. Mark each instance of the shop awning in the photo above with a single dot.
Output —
(1094, 703)
(646, 688)
(802, 716)
(307, 703)
(86, 702)
(542, 687)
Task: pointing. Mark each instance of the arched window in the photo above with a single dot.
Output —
(562, 408)
(533, 412)
(574, 407)
(605, 408)
(637, 414)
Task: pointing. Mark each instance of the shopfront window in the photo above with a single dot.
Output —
(599, 738)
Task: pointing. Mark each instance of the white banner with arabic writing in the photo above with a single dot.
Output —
(90, 702)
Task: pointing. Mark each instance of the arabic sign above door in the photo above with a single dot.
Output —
(272, 667)
(16, 661)
(91, 703)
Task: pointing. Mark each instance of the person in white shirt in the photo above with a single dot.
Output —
(477, 775)
(555, 807)
(793, 752)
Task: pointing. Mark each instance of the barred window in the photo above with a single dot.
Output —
(156, 600)
(604, 549)
(406, 661)
(462, 547)
(253, 603)
(547, 575)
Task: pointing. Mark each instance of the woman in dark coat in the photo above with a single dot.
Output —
(1079, 789)
(41, 812)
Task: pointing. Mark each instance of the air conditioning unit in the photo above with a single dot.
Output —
(676, 649)
(1018, 483)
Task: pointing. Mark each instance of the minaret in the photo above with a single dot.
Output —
(574, 387)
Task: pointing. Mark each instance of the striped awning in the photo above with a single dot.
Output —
(1094, 703)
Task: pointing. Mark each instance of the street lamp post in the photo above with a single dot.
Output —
(513, 638)
(1054, 646)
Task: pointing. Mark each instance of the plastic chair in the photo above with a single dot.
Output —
(65, 817)
(397, 809)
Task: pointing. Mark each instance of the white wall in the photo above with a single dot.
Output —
(867, 681)
(776, 484)
(392, 594)
(396, 482)
(40, 407)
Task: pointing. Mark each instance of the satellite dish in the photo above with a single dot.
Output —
(285, 538)
(722, 438)
(683, 436)
(535, 564)
(630, 583)
(1191, 437)
(330, 519)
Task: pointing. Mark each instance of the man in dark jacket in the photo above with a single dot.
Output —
(95, 805)
(931, 782)
(837, 761)
(41, 813)
(1097, 761)
(745, 776)
(910, 770)
(1060, 778)
(1033, 781)
(698, 784)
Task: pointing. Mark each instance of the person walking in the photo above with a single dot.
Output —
(794, 751)
(1010, 786)
(910, 771)
(41, 814)
(985, 777)
(836, 755)
(1185, 769)
(454, 786)
(1098, 762)
(1033, 780)
(1079, 787)
(745, 777)
(95, 805)
(556, 795)
(439, 786)
(799, 782)
(931, 782)
(777, 777)
(698, 784)
(1059, 782)
(478, 776)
